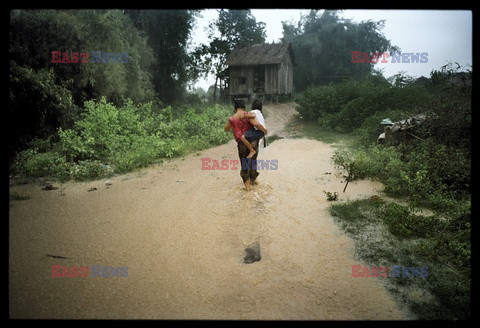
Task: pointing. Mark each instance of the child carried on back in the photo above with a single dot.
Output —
(256, 133)
(240, 118)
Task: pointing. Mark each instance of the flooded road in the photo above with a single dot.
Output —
(181, 232)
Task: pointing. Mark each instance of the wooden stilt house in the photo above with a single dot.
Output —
(263, 71)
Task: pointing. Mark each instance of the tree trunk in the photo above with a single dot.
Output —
(215, 91)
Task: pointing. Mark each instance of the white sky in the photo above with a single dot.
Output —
(445, 34)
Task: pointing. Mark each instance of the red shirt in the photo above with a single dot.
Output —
(239, 127)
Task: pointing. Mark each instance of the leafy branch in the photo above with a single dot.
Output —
(345, 161)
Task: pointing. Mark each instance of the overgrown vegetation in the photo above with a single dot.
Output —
(49, 95)
(432, 170)
(108, 140)
(387, 234)
(427, 169)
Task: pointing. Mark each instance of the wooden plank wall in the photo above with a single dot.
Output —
(237, 73)
(278, 79)
(285, 76)
(271, 79)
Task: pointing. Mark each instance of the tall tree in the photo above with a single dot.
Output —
(34, 34)
(323, 44)
(45, 95)
(168, 33)
(233, 29)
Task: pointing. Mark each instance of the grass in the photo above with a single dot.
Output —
(108, 140)
(300, 128)
(17, 196)
(387, 234)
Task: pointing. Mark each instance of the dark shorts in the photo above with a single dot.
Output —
(253, 134)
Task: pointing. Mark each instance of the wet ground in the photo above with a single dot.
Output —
(177, 235)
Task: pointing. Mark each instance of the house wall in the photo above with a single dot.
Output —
(241, 80)
(271, 79)
(278, 79)
(285, 76)
(240, 74)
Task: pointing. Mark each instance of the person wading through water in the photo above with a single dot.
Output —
(240, 123)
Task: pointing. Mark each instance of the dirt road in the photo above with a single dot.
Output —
(181, 233)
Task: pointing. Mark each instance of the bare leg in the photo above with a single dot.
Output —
(249, 146)
(248, 176)
(247, 184)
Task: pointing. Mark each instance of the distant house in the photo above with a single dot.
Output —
(262, 71)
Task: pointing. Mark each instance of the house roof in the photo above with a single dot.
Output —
(260, 54)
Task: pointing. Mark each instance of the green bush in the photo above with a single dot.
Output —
(447, 168)
(35, 164)
(442, 245)
(346, 106)
(403, 224)
(425, 173)
(317, 102)
(109, 140)
(89, 170)
(432, 172)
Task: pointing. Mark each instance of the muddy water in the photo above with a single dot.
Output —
(182, 231)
